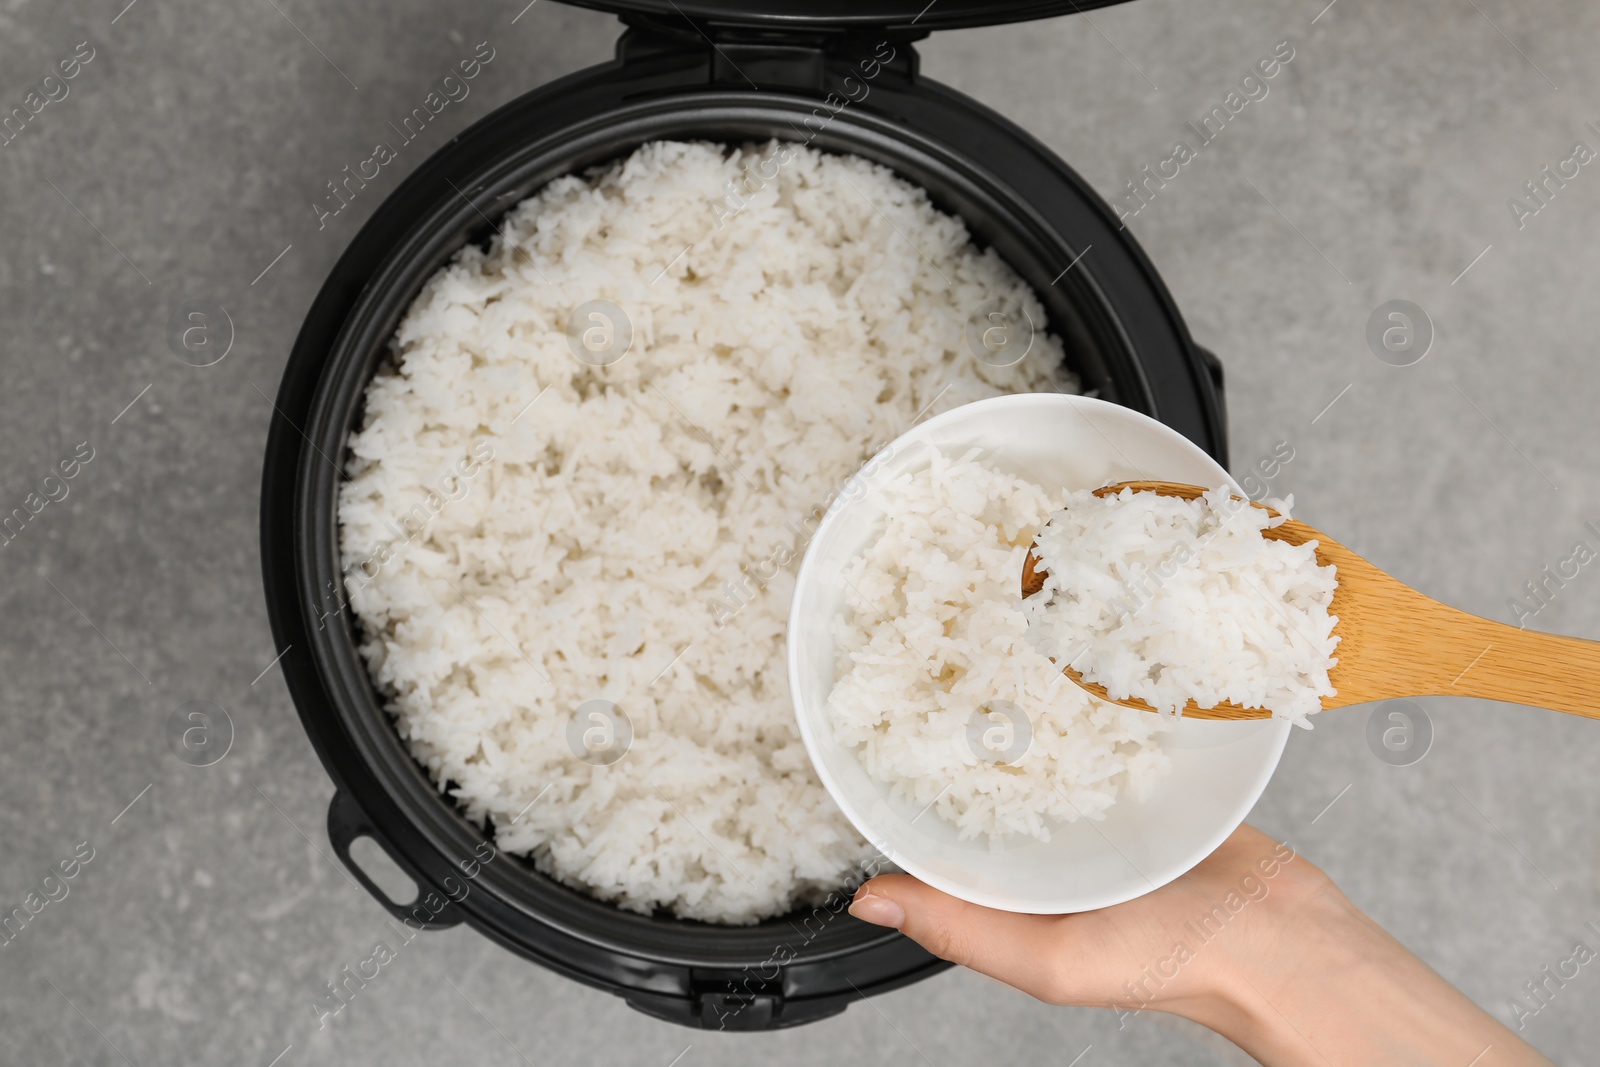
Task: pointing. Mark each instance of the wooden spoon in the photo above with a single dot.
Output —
(1395, 642)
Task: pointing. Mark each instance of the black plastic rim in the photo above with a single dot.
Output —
(891, 16)
(1110, 308)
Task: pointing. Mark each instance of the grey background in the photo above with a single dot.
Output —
(194, 143)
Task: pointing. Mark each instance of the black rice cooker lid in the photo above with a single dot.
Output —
(912, 16)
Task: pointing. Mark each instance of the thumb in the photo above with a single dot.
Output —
(1020, 950)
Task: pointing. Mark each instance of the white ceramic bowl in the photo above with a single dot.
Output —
(1218, 768)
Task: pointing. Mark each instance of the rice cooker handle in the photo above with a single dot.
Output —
(431, 910)
(838, 70)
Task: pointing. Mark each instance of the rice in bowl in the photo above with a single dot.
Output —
(939, 690)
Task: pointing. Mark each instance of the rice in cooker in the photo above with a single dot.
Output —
(577, 500)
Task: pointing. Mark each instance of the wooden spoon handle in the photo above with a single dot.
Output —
(1500, 662)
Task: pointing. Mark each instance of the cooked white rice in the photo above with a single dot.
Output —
(632, 535)
(939, 690)
(1169, 600)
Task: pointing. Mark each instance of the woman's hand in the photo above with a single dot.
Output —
(1255, 942)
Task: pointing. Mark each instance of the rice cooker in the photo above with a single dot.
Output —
(842, 76)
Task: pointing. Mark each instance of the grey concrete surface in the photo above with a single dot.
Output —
(183, 161)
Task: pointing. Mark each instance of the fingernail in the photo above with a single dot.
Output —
(881, 911)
